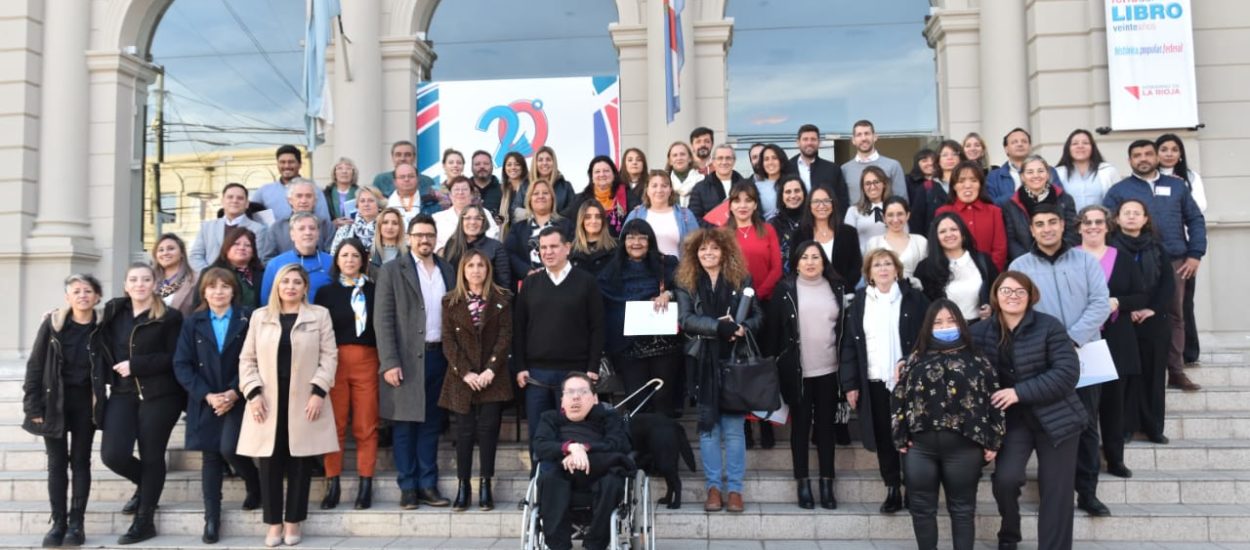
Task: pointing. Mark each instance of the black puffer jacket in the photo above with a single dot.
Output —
(152, 346)
(44, 388)
(1040, 362)
(782, 329)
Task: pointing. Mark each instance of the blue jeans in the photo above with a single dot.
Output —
(728, 429)
(416, 443)
(539, 400)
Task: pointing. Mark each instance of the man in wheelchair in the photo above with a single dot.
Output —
(583, 447)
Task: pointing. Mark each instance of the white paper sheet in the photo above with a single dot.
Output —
(641, 319)
(1096, 364)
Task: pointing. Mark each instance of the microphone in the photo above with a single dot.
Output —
(744, 305)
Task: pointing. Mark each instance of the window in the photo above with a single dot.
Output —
(169, 207)
(830, 63)
(537, 38)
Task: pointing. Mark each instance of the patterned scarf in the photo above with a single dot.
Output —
(357, 300)
(364, 230)
(477, 305)
(171, 285)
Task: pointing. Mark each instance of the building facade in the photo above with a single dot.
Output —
(74, 83)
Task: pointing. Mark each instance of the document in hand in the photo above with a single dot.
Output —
(718, 216)
(641, 319)
(1096, 364)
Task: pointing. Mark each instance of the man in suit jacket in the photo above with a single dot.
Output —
(818, 172)
(710, 192)
(408, 322)
(207, 245)
(302, 196)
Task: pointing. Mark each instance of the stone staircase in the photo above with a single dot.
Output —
(1192, 493)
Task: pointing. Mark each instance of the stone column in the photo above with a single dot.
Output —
(710, 40)
(406, 62)
(953, 35)
(357, 118)
(62, 225)
(1004, 71)
(635, 86)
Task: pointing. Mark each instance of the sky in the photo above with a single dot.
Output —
(234, 67)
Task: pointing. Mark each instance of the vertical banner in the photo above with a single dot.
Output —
(1150, 64)
(578, 117)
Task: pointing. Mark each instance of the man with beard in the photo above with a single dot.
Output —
(864, 137)
(273, 195)
(701, 140)
(408, 321)
(486, 184)
(818, 172)
(1182, 228)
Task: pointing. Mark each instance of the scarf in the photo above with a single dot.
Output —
(1030, 201)
(1146, 252)
(171, 285)
(881, 311)
(604, 197)
(359, 306)
(364, 230)
(477, 305)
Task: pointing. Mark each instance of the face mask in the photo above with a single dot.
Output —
(946, 334)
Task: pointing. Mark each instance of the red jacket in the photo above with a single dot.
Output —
(985, 222)
(763, 257)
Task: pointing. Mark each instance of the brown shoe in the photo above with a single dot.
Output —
(1182, 382)
(735, 503)
(713, 502)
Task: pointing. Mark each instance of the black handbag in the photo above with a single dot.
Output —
(609, 381)
(749, 380)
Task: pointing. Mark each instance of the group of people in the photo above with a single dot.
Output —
(945, 306)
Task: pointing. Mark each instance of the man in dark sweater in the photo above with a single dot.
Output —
(558, 326)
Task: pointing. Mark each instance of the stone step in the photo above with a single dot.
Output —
(1152, 523)
(1149, 487)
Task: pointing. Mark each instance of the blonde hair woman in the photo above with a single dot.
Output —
(290, 349)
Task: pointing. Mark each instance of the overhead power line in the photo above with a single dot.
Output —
(261, 49)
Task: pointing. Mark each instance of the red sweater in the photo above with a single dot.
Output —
(763, 257)
(985, 222)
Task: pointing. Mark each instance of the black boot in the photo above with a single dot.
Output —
(485, 498)
(131, 505)
(331, 499)
(251, 501)
(75, 536)
(212, 522)
(464, 492)
(143, 527)
(893, 500)
(767, 439)
(805, 494)
(56, 535)
(364, 494)
(827, 500)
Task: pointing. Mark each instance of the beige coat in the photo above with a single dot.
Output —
(314, 358)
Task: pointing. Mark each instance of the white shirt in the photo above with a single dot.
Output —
(917, 249)
(445, 222)
(805, 172)
(865, 224)
(872, 157)
(394, 201)
(559, 276)
(667, 234)
(726, 184)
(881, 312)
(432, 290)
(964, 286)
(1196, 189)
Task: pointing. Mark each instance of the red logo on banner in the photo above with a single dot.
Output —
(1135, 90)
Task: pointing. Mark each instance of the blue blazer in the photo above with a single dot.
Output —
(202, 370)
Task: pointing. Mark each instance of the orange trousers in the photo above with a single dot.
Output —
(355, 394)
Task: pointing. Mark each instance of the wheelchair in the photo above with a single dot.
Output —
(632, 526)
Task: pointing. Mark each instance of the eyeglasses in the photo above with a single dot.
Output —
(873, 184)
(1006, 292)
(822, 202)
(1089, 223)
(430, 236)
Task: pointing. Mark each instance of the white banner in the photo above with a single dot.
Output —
(578, 117)
(1150, 64)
